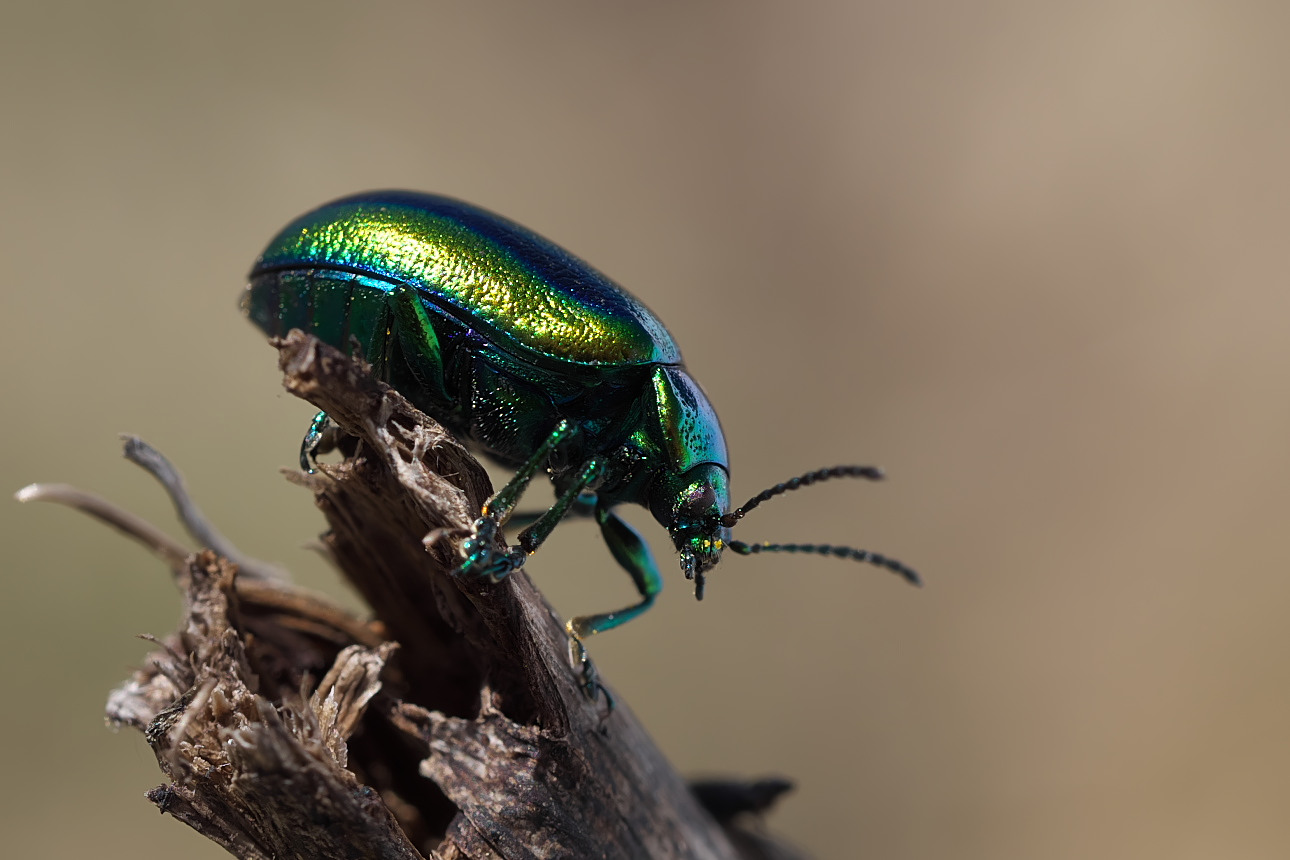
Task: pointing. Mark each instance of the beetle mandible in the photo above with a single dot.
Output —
(535, 359)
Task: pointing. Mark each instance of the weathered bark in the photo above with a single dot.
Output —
(287, 728)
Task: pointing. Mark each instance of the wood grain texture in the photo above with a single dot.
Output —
(451, 725)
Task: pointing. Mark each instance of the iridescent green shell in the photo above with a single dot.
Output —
(524, 292)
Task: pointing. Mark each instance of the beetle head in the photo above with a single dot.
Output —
(690, 505)
(695, 507)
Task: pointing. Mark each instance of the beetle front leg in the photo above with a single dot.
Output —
(583, 506)
(499, 507)
(482, 558)
(533, 536)
(633, 555)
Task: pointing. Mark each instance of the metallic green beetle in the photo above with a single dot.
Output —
(538, 361)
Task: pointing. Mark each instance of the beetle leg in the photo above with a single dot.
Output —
(632, 553)
(482, 558)
(314, 439)
(533, 536)
(583, 506)
(524, 519)
(420, 344)
(499, 507)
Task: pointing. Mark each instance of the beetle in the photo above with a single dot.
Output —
(533, 358)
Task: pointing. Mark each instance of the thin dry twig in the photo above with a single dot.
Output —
(169, 550)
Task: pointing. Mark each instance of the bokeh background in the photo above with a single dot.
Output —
(1031, 257)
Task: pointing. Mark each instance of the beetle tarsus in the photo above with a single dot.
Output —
(482, 557)
(590, 683)
(316, 437)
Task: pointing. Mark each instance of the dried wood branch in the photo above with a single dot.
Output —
(288, 728)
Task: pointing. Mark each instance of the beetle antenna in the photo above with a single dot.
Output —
(861, 555)
(870, 473)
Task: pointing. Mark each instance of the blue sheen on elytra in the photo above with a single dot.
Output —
(481, 268)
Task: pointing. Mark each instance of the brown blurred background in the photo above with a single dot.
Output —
(1032, 258)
